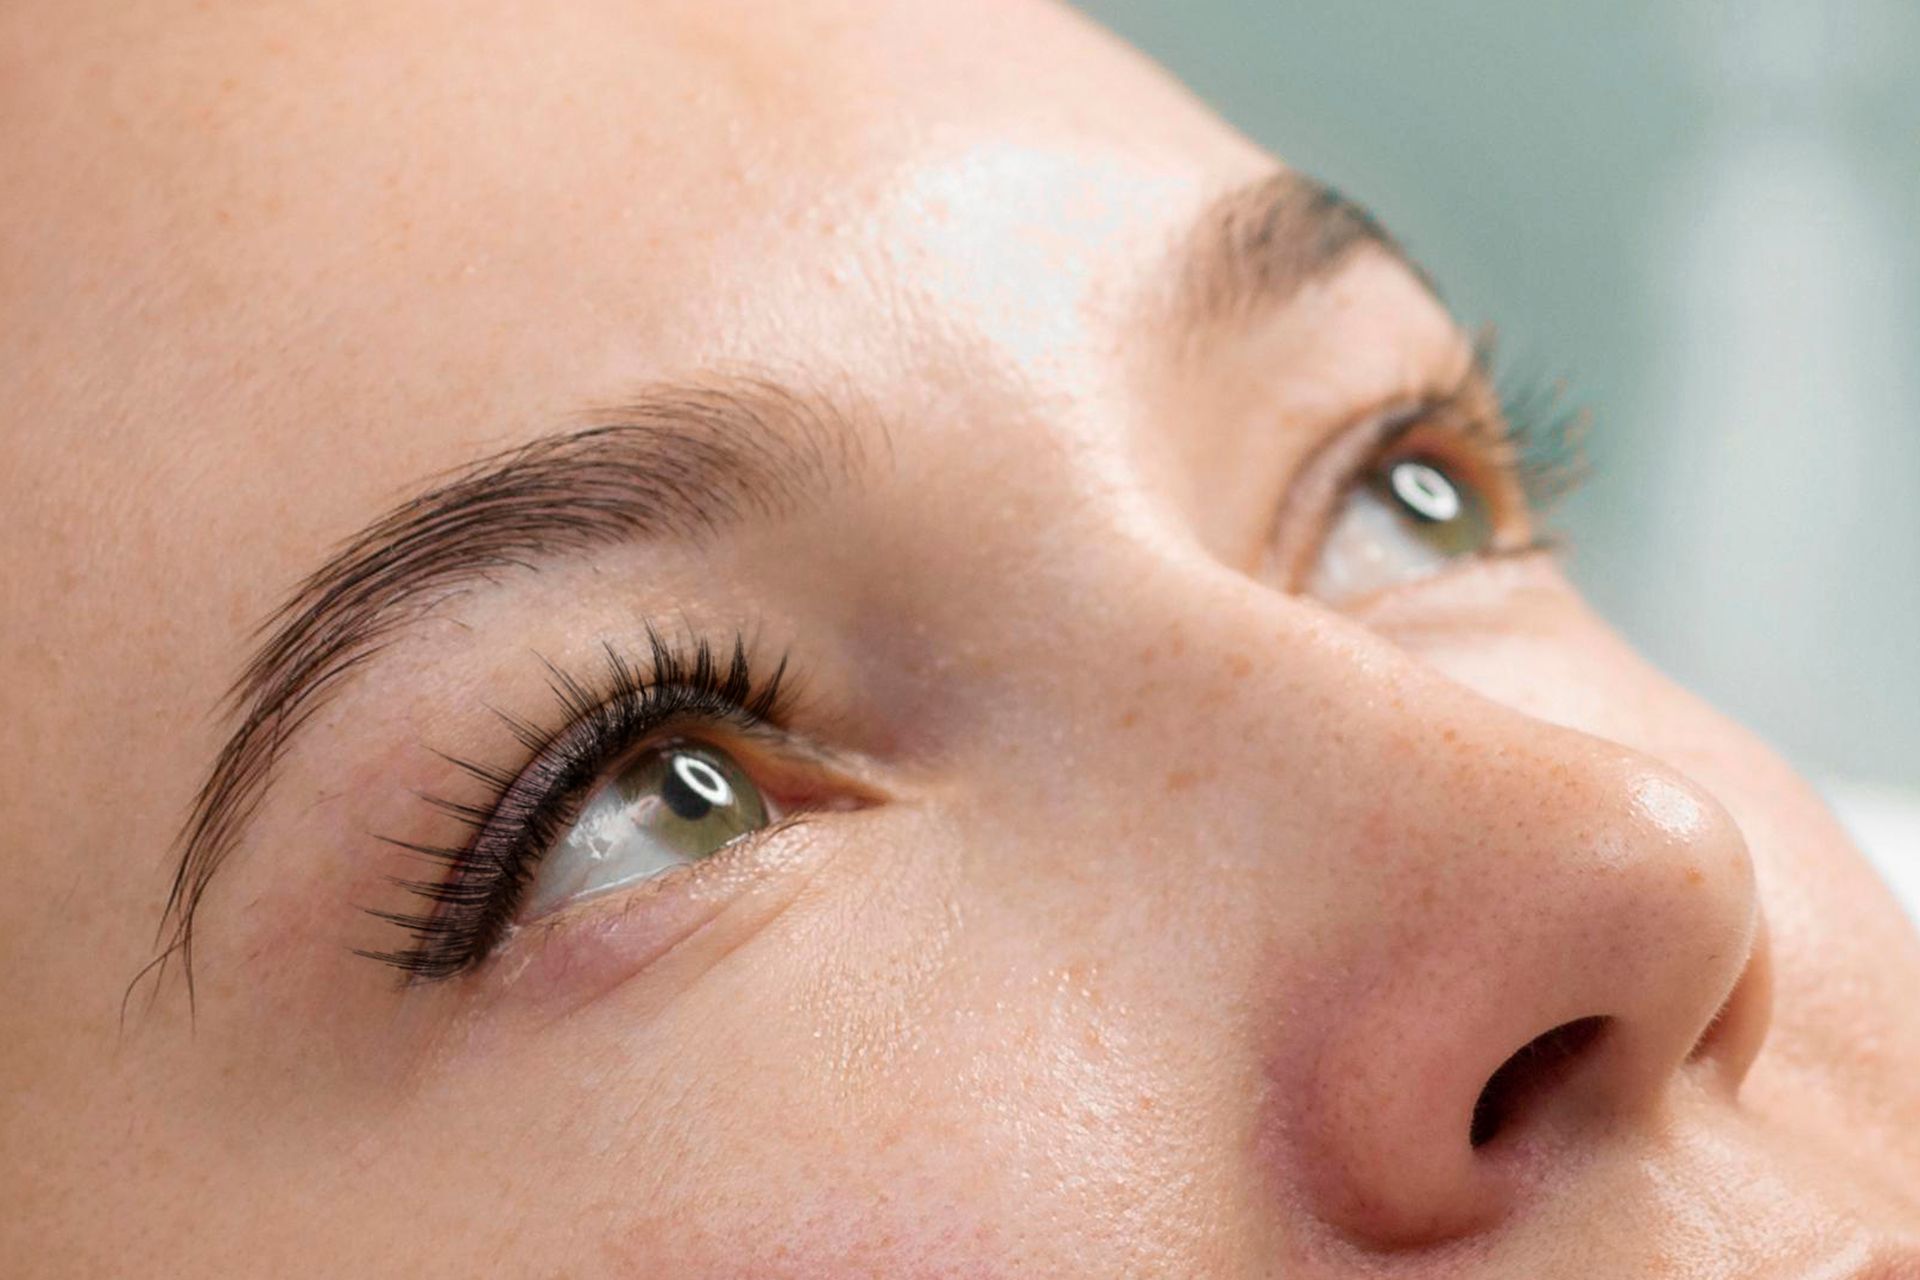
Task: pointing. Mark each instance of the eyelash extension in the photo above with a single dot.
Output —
(472, 901)
(1545, 429)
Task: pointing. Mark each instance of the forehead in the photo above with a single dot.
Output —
(280, 262)
(464, 182)
(358, 243)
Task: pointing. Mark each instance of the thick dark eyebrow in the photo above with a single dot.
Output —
(676, 462)
(1257, 246)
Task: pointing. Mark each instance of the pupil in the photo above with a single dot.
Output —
(1424, 491)
(694, 788)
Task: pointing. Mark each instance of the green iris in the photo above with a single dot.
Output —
(1449, 516)
(690, 799)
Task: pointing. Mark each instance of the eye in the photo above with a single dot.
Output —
(1405, 517)
(672, 805)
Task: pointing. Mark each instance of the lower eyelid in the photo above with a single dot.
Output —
(1484, 579)
(578, 952)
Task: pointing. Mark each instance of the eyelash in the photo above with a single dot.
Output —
(1543, 430)
(481, 881)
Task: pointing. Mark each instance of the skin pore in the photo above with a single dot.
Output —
(1160, 881)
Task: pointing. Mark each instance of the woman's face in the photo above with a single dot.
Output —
(1193, 833)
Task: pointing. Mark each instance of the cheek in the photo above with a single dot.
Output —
(810, 1232)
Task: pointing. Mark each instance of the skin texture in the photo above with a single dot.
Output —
(1171, 921)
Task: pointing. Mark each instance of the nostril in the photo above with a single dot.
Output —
(1734, 1034)
(1539, 1065)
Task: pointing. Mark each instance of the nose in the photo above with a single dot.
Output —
(1559, 931)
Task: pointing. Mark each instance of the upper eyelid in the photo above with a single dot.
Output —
(680, 727)
(548, 749)
(1341, 450)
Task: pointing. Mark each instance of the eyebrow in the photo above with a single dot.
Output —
(679, 461)
(682, 461)
(1257, 246)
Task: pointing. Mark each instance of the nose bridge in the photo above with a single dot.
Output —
(1311, 711)
(1447, 885)
(1401, 804)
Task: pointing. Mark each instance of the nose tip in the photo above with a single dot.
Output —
(1537, 991)
(1693, 985)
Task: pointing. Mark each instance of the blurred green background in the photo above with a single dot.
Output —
(1701, 216)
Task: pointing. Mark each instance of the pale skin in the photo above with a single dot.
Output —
(1157, 916)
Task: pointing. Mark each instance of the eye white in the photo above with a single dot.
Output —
(1371, 546)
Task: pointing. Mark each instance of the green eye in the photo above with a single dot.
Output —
(1447, 515)
(1408, 518)
(702, 798)
(674, 805)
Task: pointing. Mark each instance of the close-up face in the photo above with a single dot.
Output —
(827, 639)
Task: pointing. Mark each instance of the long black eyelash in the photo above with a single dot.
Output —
(480, 882)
